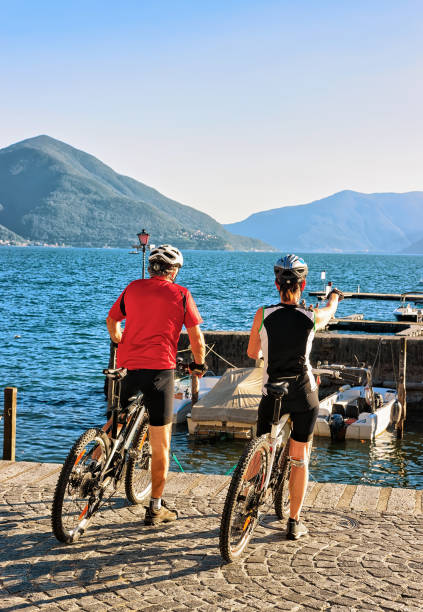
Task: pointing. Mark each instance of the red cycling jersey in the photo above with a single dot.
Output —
(155, 310)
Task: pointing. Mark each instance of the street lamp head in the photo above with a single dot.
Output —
(143, 237)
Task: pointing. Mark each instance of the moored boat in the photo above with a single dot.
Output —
(230, 407)
(183, 394)
(357, 412)
(360, 412)
(407, 312)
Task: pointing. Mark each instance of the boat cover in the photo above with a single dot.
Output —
(235, 397)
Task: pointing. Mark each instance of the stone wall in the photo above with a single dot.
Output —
(347, 349)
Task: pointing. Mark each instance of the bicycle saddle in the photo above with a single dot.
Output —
(278, 388)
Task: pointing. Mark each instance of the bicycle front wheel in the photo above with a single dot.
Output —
(245, 495)
(78, 491)
(138, 470)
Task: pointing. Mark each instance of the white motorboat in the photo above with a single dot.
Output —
(407, 312)
(183, 394)
(360, 412)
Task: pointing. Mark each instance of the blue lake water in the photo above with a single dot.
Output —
(55, 345)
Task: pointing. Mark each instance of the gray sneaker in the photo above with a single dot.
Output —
(295, 529)
(163, 515)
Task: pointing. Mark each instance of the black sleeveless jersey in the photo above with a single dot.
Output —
(286, 335)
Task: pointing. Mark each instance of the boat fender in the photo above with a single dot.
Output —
(396, 412)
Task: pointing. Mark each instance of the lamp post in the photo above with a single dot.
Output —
(143, 237)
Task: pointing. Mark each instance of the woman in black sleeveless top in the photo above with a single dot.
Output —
(284, 334)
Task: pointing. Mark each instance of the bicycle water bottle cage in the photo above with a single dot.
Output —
(115, 374)
(278, 388)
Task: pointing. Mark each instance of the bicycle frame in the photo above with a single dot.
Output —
(130, 422)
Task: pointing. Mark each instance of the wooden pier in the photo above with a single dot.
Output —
(399, 328)
(393, 297)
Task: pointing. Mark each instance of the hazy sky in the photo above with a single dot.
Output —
(229, 106)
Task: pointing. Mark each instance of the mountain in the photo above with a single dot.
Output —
(346, 221)
(416, 248)
(53, 193)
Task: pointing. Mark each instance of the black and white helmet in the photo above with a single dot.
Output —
(168, 254)
(290, 268)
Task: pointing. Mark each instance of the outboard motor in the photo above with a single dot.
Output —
(337, 427)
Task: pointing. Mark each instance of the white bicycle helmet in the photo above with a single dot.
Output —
(168, 254)
(290, 268)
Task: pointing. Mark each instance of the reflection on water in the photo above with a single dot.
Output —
(385, 461)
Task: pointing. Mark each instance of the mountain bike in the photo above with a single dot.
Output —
(260, 478)
(97, 463)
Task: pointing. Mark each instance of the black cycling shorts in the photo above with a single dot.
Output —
(158, 388)
(302, 421)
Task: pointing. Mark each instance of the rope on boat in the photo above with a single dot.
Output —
(229, 472)
(393, 366)
(187, 350)
(220, 356)
(175, 458)
(211, 350)
(378, 355)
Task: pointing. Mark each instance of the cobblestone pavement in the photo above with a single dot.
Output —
(368, 559)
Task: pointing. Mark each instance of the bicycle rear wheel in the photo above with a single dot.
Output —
(282, 485)
(245, 495)
(78, 493)
(138, 470)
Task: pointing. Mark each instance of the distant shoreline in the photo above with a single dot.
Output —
(67, 246)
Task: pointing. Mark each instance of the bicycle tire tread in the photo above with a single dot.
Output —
(282, 482)
(56, 513)
(130, 491)
(231, 498)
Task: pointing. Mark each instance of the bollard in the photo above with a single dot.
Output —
(9, 441)
(402, 394)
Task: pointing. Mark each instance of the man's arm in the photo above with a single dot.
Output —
(254, 343)
(322, 316)
(114, 329)
(198, 346)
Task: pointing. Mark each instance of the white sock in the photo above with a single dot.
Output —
(155, 503)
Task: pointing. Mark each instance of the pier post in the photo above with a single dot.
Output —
(9, 441)
(195, 386)
(402, 394)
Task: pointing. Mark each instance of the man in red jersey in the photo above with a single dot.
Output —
(155, 310)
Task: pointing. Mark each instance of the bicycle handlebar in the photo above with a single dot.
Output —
(183, 367)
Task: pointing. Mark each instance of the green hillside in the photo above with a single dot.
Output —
(9, 237)
(51, 192)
